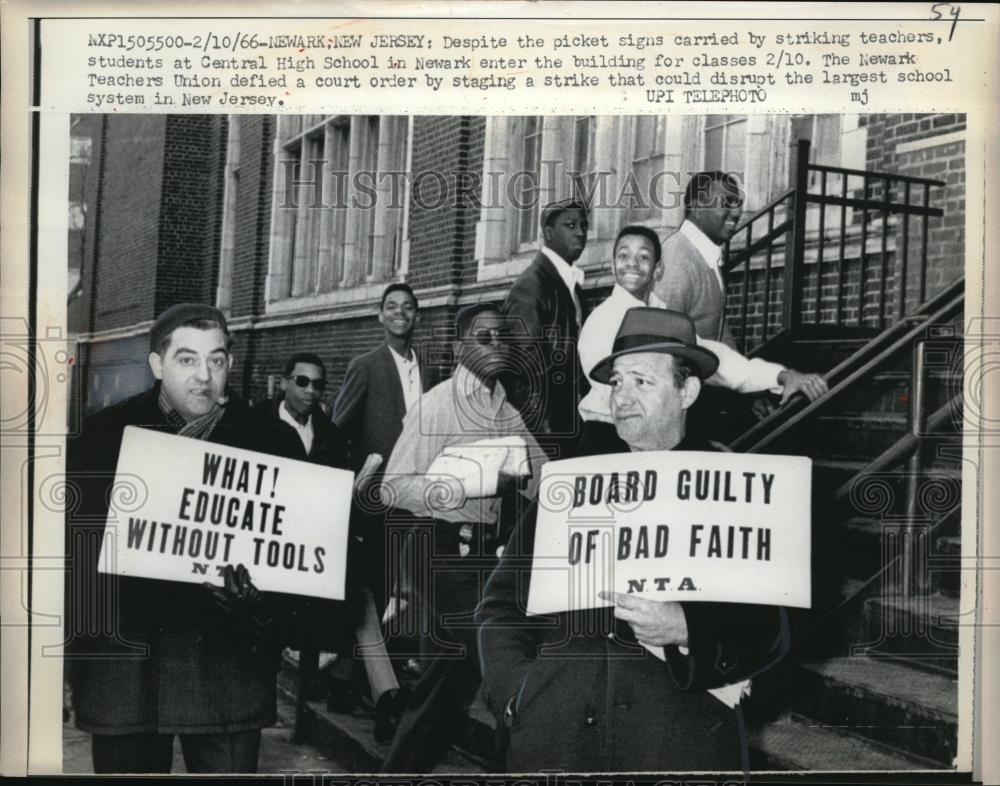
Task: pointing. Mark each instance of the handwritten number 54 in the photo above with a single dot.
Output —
(953, 11)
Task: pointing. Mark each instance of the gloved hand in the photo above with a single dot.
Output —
(241, 601)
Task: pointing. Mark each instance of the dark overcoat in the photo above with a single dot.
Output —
(144, 655)
(585, 697)
(547, 380)
(329, 446)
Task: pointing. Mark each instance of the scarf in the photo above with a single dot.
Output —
(200, 428)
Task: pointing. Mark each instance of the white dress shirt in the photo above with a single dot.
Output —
(571, 275)
(305, 432)
(597, 338)
(710, 252)
(409, 376)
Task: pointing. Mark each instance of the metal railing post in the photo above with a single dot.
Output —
(913, 577)
(796, 250)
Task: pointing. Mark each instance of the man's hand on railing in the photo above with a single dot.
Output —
(792, 382)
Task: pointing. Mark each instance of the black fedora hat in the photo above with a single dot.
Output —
(646, 329)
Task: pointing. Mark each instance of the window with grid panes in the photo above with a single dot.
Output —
(647, 160)
(339, 222)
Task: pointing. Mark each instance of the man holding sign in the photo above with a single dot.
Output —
(587, 690)
(150, 659)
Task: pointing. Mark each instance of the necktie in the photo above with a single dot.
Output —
(577, 303)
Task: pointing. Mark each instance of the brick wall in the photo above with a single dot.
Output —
(938, 160)
(438, 231)
(190, 209)
(160, 219)
(122, 255)
(336, 343)
(253, 217)
(905, 144)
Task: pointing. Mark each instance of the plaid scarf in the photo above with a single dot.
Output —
(201, 428)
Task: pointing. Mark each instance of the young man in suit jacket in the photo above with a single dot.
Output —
(379, 388)
(545, 305)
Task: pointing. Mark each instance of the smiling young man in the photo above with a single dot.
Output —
(574, 690)
(379, 388)
(638, 265)
(147, 659)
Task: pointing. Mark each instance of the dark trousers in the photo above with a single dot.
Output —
(437, 712)
(151, 752)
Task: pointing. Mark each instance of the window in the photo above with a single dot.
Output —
(725, 142)
(339, 209)
(823, 132)
(648, 159)
(529, 180)
(80, 151)
(584, 164)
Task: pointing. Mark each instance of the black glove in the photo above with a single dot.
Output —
(242, 602)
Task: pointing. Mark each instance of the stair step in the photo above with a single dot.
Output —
(349, 739)
(856, 547)
(856, 435)
(946, 565)
(921, 632)
(888, 389)
(891, 703)
(793, 742)
(831, 473)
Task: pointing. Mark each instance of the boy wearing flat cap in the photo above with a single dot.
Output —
(148, 659)
(545, 305)
(574, 691)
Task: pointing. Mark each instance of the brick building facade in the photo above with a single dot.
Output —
(252, 213)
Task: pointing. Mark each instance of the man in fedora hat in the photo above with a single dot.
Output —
(545, 305)
(595, 702)
(638, 264)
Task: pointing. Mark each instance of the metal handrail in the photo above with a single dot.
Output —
(946, 296)
(849, 381)
(902, 448)
(872, 195)
(863, 173)
(742, 255)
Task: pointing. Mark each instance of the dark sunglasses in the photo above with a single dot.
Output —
(486, 336)
(303, 381)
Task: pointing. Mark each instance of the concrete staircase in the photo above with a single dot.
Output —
(872, 680)
(872, 683)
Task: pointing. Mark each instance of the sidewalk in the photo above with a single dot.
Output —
(277, 753)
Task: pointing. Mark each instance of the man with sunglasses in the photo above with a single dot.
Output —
(300, 427)
(297, 428)
(457, 527)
